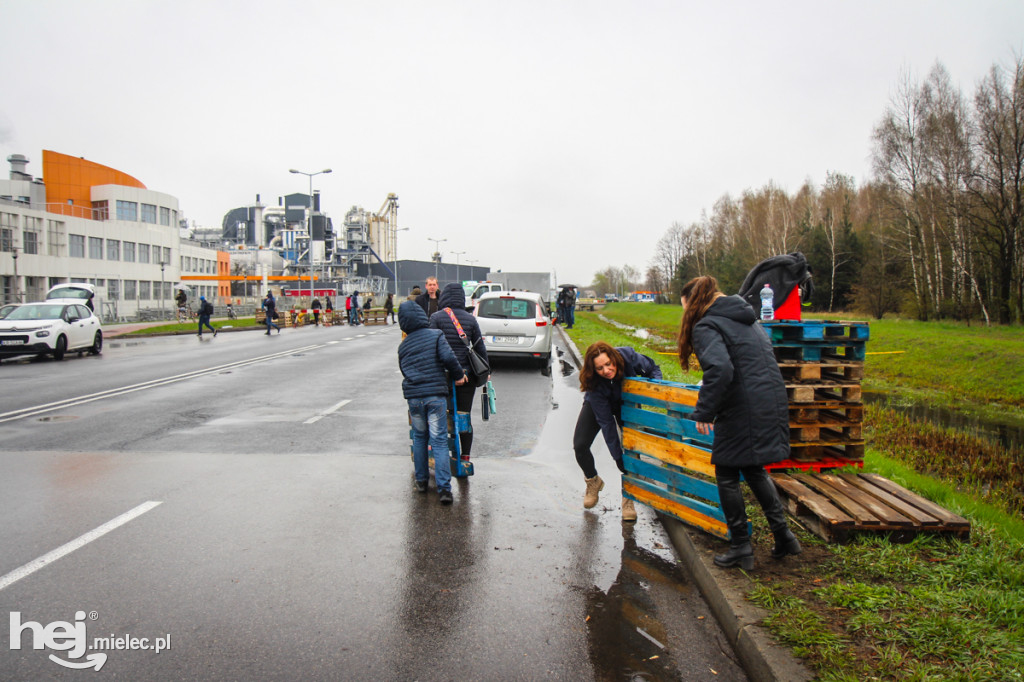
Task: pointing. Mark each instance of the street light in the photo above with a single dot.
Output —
(309, 222)
(457, 254)
(472, 262)
(162, 265)
(437, 252)
(397, 230)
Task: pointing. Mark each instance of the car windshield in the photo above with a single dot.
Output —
(506, 308)
(69, 292)
(36, 312)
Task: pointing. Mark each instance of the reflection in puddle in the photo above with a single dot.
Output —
(627, 640)
(1006, 435)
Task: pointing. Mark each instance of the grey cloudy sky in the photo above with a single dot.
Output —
(533, 135)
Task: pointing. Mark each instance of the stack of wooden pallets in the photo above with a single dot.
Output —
(822, 363)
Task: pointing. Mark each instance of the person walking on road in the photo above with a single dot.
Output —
(423, 357)
(570, 307)
(328, 311)
(743, 402)
(429, 300)
(315, 307)
(604, 368)
(205, 310)
(270, 306)
(451, 310)
(389, 309)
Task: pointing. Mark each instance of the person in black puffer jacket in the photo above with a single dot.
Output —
(454, 298)
(423, 357)
(743, 401)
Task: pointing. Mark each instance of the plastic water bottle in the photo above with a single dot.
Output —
(767, 309)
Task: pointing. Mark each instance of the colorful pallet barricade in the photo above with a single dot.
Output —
(668, 464)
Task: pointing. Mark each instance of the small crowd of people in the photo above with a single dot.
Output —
(742, 401)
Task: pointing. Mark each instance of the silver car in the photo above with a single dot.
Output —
(514, 324)
(50, 328)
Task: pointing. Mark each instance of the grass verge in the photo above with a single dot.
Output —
(178, 328)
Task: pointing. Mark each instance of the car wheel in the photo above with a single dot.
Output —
(60, 348)
(97, 344)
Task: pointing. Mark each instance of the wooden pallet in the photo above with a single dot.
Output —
(817, 330)
(823, 391)
(809, 451)
(827, 430)
(810, 413)
(835, 507)
(818, 351)
(793, 370)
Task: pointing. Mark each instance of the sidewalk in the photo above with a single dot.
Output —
(761, 657)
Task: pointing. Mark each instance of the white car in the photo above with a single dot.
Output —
(50, 328)
(514, 324)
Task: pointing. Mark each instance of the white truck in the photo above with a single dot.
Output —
(537, 282)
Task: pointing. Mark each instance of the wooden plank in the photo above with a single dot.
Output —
(680, 454)
(669, 392)
(913, 513)
(862, 515)
(711, 511)
(945, 517)
(681, 512)
(685, 429)
(883, 512)
(811, 371)
(677, 481)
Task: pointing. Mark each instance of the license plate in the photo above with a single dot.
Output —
(504, 339)
(12, 342)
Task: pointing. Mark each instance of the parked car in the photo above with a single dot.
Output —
(6, 309)
(50, 328)
(71, 292)
(514, 324)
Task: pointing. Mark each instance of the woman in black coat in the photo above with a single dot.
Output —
(453, 299)
(743, 401)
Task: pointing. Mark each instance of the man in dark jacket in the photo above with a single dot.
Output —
(453, 298)
(429, 299)
(205, 311)
(423, 357)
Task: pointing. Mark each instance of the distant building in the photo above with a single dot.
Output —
(86, 222)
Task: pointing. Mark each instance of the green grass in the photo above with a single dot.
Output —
(191, 327)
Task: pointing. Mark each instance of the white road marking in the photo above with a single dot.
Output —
(70, 402)
(82, 540)
(359, 336)
(348, 338)
(329, 410)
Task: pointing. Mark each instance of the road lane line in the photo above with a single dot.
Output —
(153, 383)
(82, 540)
(329, 410)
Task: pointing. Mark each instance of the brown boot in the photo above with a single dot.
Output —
(628, 511)
(594, 486)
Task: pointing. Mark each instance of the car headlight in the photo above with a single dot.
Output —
(43, 333)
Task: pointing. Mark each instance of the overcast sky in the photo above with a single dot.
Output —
(543, 135)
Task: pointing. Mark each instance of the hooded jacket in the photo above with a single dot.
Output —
(452, 296)
(743, 392)
(782, 273)
(605, 397)
(423, 355)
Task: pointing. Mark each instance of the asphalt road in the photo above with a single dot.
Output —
(246, 501)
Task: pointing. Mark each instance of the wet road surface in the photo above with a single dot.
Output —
(287, 542)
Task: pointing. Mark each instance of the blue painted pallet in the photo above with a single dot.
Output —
(814, 351)
(817, 330)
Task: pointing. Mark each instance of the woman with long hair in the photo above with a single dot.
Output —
(604, 368)
(743, 402)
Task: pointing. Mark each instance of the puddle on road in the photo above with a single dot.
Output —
(626, 639)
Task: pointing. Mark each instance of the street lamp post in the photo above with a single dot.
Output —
(472, 262)
(437, 252)
(162, 265)
(457, 254)
(309, 222)
(397, 230)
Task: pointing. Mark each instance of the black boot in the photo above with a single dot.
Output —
(729, 495)
(768, 497)
(742, 555)
(786, 544)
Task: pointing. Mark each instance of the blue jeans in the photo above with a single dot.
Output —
(270, 322)
(431, 414)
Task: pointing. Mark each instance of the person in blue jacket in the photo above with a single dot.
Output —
(604, 368)
(423, 357)
(743, 402)
(452, 304)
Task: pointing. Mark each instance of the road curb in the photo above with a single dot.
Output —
(762, 659)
